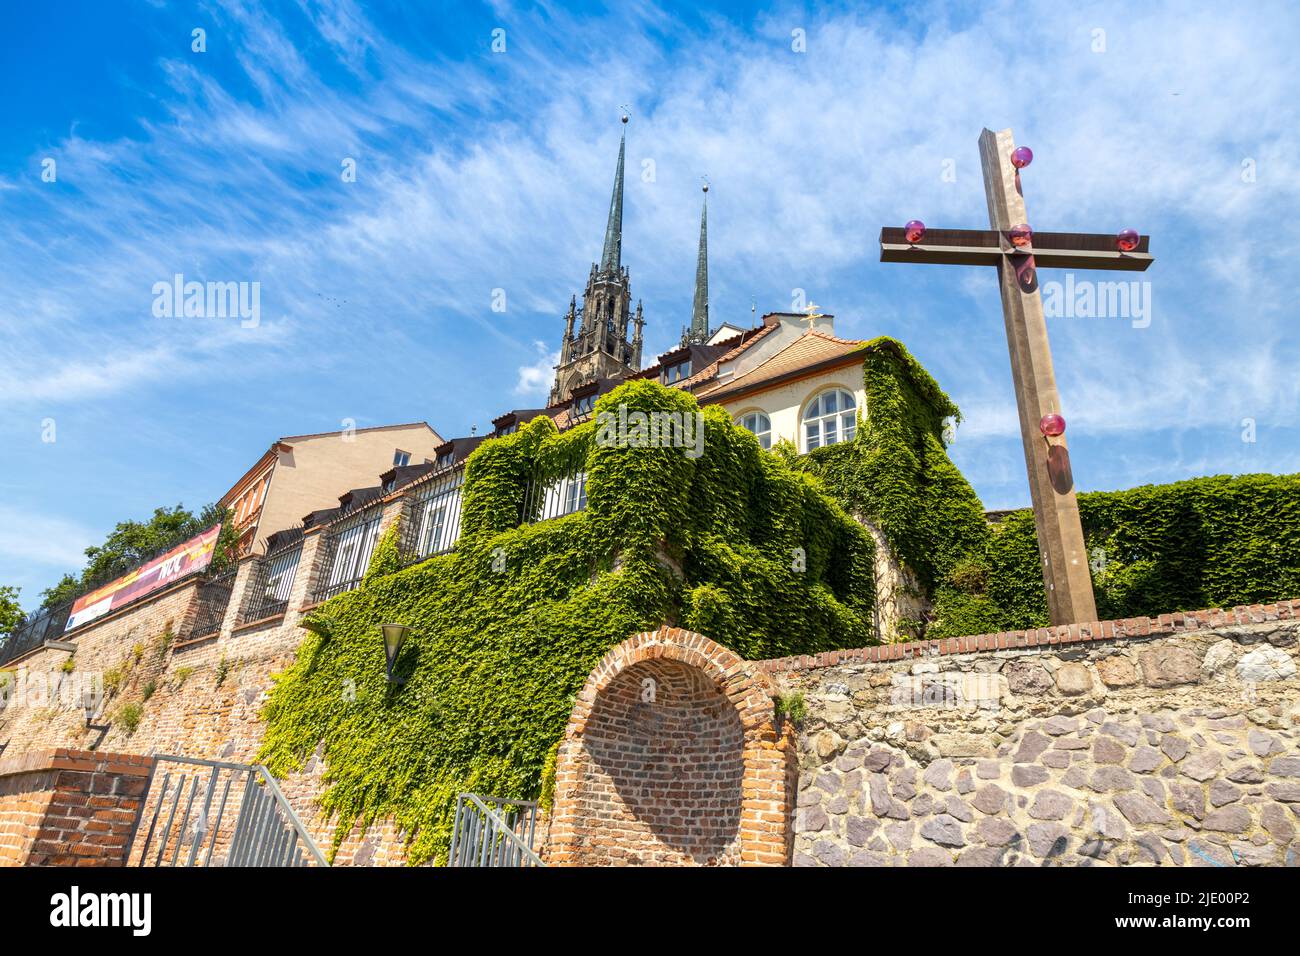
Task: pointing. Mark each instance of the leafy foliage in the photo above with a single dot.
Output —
(1206, 542)
(896, 473)
(132, 543)
(507, 627)
(11, 612)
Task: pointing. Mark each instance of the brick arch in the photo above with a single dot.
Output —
(700, 775)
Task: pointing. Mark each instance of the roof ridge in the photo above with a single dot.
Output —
(711, 369)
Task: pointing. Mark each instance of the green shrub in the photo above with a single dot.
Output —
(128, 716)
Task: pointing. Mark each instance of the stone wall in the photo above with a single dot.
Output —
(1173, 741)
(197, 698)
(69, 807)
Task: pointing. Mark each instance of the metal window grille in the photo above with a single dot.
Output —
(272, 583)
(213, 599)
(556, 497)
(349, 547)
(434, 522)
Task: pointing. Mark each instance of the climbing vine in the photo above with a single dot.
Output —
(1206, 542)
(896, 473)
(734, 543)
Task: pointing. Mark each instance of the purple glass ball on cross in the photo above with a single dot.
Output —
(914, 230)
(1020, 235)
(1051, 425)
(1127, 240)
(1021, 157)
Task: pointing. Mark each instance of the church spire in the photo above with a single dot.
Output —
(700, 311)
(611, 258)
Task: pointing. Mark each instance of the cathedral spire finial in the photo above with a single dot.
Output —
(700, 311)
(611, 257)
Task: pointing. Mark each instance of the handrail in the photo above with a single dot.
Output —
(266, 831)
(485, 845)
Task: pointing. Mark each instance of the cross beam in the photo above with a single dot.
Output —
(986, 247)
(1066, 574)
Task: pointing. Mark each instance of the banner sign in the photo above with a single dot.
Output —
(194, 555)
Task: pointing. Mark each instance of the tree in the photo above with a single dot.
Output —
(132, 543)
(11, 614)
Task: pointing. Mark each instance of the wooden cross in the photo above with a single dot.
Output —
(1051, 485)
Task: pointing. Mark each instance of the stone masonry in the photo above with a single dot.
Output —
(1173, 741)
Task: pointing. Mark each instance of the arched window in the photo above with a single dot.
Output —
(760, 425)
(829, 418)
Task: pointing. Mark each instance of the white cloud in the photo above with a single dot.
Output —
(535, 379)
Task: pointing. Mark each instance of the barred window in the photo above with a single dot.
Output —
(351, 544)
(269, 591)
(435, 517)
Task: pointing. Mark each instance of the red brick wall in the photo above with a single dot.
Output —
(697, 776)
(69, 807)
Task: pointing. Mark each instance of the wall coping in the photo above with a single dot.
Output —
(1179, 622)
(65, 758)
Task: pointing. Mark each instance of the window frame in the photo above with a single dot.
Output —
(750, 413)
(844, 431)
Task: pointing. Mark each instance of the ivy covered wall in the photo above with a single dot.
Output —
(735, 544)
(1207, 542)
(758, 551)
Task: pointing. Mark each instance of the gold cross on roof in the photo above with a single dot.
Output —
(813, 315)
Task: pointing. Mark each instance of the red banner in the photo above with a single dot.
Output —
(194, 555)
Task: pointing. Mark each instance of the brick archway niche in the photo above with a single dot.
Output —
(672, 757)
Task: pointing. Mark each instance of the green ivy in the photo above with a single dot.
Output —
(1207, 542)
(505, 630)
(896, 473)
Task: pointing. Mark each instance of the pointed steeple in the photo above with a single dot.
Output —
(700, 311)
(611, 258)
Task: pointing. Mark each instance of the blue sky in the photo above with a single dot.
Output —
(479, 170)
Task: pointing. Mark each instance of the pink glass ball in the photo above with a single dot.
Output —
(1020, 235)
(1051, 425)
(1021, 157)
(1127, 240)
(914, 230)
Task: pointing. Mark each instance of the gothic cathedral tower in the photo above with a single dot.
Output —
(600, 347)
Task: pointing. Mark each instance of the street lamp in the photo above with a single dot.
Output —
(394, 637)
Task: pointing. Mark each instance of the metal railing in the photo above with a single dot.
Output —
(50, 624)
(218, 814)
(500, 835)
(40, 626)
(433, 525)
(554, 497)
(212, 600)
(272, 583)
(348, 548)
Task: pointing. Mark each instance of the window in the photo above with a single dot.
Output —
(584, 405)
(401, 458)
(760, 425)
(830, 418)
(675, 373)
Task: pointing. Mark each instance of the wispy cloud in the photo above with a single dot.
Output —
(478, 172)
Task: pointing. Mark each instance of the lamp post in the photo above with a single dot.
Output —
(89, 705)
(394, 638)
